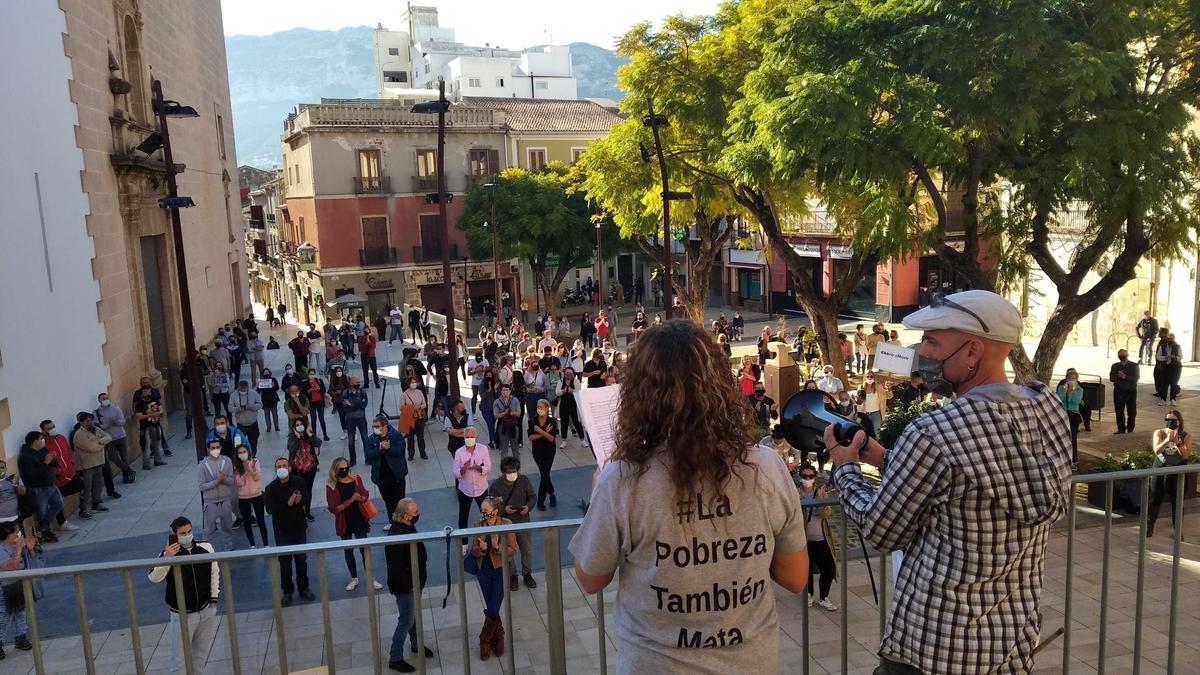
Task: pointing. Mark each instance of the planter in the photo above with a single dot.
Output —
(1095, 494)
(1189, 486)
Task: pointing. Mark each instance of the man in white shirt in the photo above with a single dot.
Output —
(397, 316)
(829, 383)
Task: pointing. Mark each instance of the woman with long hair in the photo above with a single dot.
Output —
(345, 495)
(1172, 447)
(490, 562)
(248, 476)
(687, 463)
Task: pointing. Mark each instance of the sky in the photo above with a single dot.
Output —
(515, 24)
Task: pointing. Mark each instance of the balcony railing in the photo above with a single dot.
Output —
(1157, 574)
(424, 183)
(387, 114)
(372, 184)
(377, 257)
(474, 179)
(426, 253)
(819, 222)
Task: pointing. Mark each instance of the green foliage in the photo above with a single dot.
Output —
(898, 419)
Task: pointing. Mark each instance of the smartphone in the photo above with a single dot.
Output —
(172, 539)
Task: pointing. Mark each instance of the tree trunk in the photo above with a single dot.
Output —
(824, 318)
(713, 236)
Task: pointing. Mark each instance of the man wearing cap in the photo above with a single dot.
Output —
(969, 494)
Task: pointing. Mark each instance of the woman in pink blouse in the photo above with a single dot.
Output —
(472, 466)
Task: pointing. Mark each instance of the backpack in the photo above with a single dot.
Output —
(305, 460)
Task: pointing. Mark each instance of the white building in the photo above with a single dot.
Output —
(422, 51)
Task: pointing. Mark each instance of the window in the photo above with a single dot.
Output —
(499, 81)
(483, 161)
(426, 163)
(576, 153)
(375, 233)
(474, 82)
(537, 159)
(542, 85)
(303, 235)
(393, 51)
(395, 76)
(426, 68)
(368, 164)
(221, 136)
(133, 70)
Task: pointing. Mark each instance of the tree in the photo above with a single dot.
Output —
(541, 220)
(1017, 111)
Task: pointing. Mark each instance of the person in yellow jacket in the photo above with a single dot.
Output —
(822, 546)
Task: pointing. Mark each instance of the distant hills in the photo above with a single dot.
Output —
(270, 74)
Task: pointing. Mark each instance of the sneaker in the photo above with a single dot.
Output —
(167, 453)
(352, 585)
(114, 495)
(68, 526)
(402, 666)
(387, 528)
(343, 436)
(307, 595)
(99, 507)
(49, 536)
(428, 651)
(810, 601)
(84, 515)
(286, 599)
(553, 501)
(23, 643)
(530, 582)
(378, 586)
(828, 605)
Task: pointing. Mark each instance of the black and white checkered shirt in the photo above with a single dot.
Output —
(969, 495)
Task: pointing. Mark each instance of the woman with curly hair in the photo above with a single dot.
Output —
(695, 517)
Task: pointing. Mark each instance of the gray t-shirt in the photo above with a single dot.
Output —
(695, 592)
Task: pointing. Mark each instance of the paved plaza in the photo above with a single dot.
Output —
(137, 527)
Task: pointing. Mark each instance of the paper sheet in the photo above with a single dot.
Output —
(598, 411)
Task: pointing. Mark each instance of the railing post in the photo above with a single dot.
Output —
(277, 602)
(34, 635)
(184, 633)
(135, 631)
(600, 630)
(1141, 576)
(1066, 660)
(414, 556)
(372, 606)
(844, 593)
(1108, 511)
(323, 583)
(235, 651)
(506, 568)
(462, 602)
(554, 604)
(1177, 511)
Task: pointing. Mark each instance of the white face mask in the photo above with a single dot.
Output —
(511, 477)
(808, 482)
(52, 432)
(299, 428)
(243, 456)
(105, 403)
(470, 442)
(412, 385)
(222, 428)
(214, 453)
(281, 473)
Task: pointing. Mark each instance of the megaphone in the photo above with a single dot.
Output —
(805, 417)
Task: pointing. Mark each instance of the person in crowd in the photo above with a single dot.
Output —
(489, 559)
(507, 412)
(347, 498)
(1163, 359)
(14, 548)
(425, 324)
(36, 465)
(914, 389)
(317, 395)
(66, 478)
(1147, 330)
(414, 410)
(111, 419)
(316, 346)
(846, 350)
(568, 409)
(247, 474)
(272, 343)
(829, 383)
(285, 498)
(1005, 449)
(765, 411)
(348, 339)
(1172, 446)
(478, 365)
(535, 386)
(354, 405)
(149, 414)
(216, 480)
(543, 437)
(685, 446)
(516, 494)
(256, 351)
(219, 356)
(821, 544)
(389, 469)
(12, 492)
(295, 405)
(860, 349)
(594, 369)
(201, 590)
(339, 382)
(337, 361)
(414, 323)
(89, 442)
(1174, 369)
(471, 468)
(237, 353)
(291, 377)
(400, 583)
(1071, 395)
(587, 330)
(872, 400)
(456, 425)
(489, 393)
(299, 347)
(1124, 375)
(220, 384)
(601, 323)
(396, 318)
(367, 345)
(878, 336)
(845, 405)
(281, 309)
(304, 452)
(268, 394)
(244, 405)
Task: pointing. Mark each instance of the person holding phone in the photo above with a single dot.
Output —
(201, 588)
(472, 465)
(516, 494)
(821, 544)
(1172, 447)
(389, 469)
(285, 498)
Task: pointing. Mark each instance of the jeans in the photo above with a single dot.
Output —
(49, 502)
(1146, 350)
(406, 625)
(14, 618)
(316, 413)
(202, 628)
(252, 433)
(115, 452)
(359, 425)
(271, 414)
(507, 435)
(491, 584)
(285, 566)
(152, 438)
(244, 506)
(397, 333)
(876, 419)
(93, 487)
(369, 362)
(489, 418)
(349, 553)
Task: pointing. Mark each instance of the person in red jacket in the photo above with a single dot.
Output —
(366, 349)
(601, 325)
(64, 468)
(345, 494)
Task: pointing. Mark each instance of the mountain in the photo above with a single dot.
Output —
(270, 74)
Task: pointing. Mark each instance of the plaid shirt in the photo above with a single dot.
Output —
(969, 495)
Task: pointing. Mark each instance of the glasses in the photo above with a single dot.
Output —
(808, 476)
(1170, 419)
(940, 300)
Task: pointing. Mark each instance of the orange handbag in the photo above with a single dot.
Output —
(408, 419)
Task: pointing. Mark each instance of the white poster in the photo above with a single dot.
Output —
(895, 359)
(598, 410)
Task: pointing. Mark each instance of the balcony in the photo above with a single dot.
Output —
(428, 253)
(377, 257)
(365, 185)
(476, 179)
(424, 184)
(818, 222)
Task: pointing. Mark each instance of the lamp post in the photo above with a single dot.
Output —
(173, 202)
(599, 270)
(654, 122)
(466, 305)
(440, 106)
(495, 255)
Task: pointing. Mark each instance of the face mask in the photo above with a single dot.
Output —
(222, 428)
(1172, 424)
(343, 472)
(186, 539)
(52, 432)
(415, 519)
(267, 374)
(243, 456)
(105, 403)
(933, 372)
(412, 385)
(3, 472)
(214, 453)
(470, 442)
(511, 477)
(870, 380)
(299, 428)
(380, 431)
(281, 473)
(808, 482)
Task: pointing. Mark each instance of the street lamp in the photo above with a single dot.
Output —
(439, 107)
(491, 187)
(599, 270)
(173, 202)
(466, 305)
(654, 122)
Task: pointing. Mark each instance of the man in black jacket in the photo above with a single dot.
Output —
(400, 578)
(1124, 376)
(35, 464)
(285, 499)
(201, 588)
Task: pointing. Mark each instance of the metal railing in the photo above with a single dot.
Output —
(375, 257)
(372, 184)
(552, 532)
(425, 183)
(429, 253)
